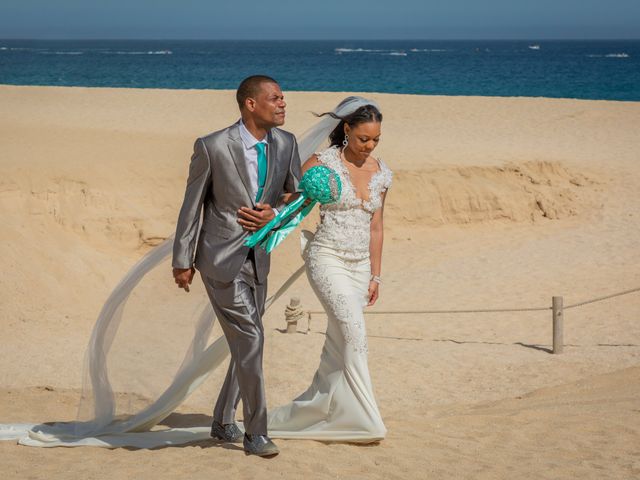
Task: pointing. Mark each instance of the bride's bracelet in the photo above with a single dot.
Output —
(376, 278)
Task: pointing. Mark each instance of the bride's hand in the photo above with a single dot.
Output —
(373, 292)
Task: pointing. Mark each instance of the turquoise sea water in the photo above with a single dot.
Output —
(575, 69)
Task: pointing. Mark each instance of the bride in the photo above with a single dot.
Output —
(343, 264)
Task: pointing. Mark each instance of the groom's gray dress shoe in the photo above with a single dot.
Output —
(259, 445)
(228, 432)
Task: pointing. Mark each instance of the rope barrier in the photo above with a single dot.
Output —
(602, 298)
(486, 310)
(398, 312)
(293, 313)
(294, 310)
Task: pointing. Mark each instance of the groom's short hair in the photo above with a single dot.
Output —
(250, 86)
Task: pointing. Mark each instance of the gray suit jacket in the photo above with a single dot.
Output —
(219, 185)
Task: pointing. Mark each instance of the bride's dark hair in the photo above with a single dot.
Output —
(364, 114)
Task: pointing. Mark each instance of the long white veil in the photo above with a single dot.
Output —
(121, 402)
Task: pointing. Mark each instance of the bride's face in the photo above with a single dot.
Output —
(363, 139)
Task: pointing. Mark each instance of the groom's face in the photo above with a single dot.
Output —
(268, 106)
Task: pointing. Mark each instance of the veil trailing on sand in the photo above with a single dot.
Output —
(120, 401)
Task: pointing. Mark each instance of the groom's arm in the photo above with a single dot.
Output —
(293, 177)
(313, 161)
(198, 181)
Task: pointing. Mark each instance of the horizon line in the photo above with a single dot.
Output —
(495, 39)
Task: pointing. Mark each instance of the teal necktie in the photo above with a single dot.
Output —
(262, 168)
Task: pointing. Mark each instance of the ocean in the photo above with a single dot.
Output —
(606, 70)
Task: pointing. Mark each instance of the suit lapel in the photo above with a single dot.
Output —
(272, 156)
(236, 148)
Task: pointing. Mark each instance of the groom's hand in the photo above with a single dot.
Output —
(183, 277)
(254, 219)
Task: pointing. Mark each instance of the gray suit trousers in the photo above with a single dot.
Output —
(239, 306)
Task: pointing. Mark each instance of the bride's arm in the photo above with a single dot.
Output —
(375, 251)
(313, 161)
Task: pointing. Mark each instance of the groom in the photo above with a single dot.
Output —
(236, 175)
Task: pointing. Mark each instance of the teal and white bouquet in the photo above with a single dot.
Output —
(319, 184)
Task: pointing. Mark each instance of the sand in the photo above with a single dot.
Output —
(496, 203)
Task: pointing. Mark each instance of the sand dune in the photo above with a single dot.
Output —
(496, 203)
(523, 192)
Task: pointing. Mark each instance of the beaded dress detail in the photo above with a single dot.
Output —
(339, 405)
(345, 224)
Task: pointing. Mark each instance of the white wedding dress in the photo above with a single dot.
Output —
(339, 405)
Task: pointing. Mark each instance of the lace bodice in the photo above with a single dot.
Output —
(345, 225)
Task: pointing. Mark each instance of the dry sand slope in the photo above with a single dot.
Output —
(496, 203)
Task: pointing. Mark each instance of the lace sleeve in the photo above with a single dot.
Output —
(325, 157)
(387, 175)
